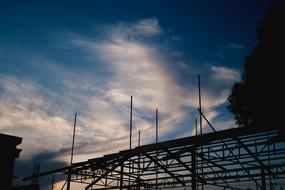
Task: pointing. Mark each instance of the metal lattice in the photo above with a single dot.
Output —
(236, 158)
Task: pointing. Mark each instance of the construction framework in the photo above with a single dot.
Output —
(238, 158)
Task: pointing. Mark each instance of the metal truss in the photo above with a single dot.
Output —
(238, 158)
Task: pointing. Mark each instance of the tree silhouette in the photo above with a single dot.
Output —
(258, 100)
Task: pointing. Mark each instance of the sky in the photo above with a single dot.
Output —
(58, 58)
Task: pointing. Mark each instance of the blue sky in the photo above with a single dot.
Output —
(58, 58)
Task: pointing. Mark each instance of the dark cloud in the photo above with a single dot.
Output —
(24, 168)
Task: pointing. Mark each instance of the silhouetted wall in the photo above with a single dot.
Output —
(7, 156)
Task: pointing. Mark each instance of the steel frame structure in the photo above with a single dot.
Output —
(238, 158)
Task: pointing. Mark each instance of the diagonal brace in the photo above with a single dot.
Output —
(164, 168)
(102, 176)
(184, 165)
(241, 164)
(210, 161)
(253, 155)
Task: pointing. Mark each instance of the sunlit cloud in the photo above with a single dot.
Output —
(225, 74)
(134, 66)
(137, 30)
(24, 108)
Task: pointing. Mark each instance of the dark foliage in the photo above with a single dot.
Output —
(258, 100)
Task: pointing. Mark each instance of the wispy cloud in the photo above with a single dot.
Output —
(139, 69)
(136, 30)
(147, 27)
(236, 46)
(225, 74)
(25, 111)
(124, 62)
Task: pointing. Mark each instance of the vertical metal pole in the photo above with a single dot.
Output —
(139, 141)
(52, 182)
(68, 180)
(71, 159)
(106, 181)
(263, 182)
(201, 125)
(193, 169)
(131, 126)
(156, 140)
(139, 162)
(122, 175)
(156, 125)
(74, 126)
(196, 127)
(200, 106)
(131, 122)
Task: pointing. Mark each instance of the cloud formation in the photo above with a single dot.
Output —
(139, 29)
(225, 74)
(236, 46)
(124, 62)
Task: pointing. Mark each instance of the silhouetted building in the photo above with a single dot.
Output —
(8, 154)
